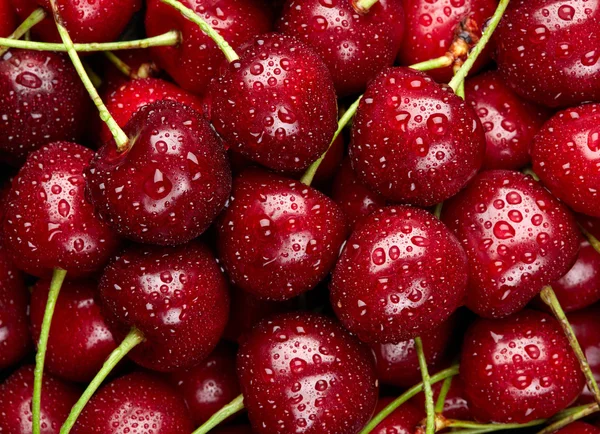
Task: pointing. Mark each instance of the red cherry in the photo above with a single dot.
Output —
(403, 420)
(518, 369)
(195, 61)
(510, 123)
(401, 273)
(42, 100)
(139, 60)
(48, 222)
(8, 18)
(586, 326)
(136, 403)
(566, 155)
(303, 373)
(276, 104)
(278, 237)
(15, 402)
(414, 140)
(329, 165)
(579, 428)
(517, 236)
(176, 296)
(547, 50)
(455, 405)
(355, 46)
(171, 182)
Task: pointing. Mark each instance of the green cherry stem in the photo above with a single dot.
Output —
(429, 406)
(570, 416)
(428, 65)
(594, 242)
(34, 18)
(363, 6)
(119, 64)
(439, 404)
(228, 410)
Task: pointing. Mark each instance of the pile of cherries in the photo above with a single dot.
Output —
(299, 216)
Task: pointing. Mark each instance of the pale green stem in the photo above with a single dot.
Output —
(34, 18)
(428, 65)
(227, 411)
(594, 242)
(529, 171)
(430, 427)
(438, 210)
(439, 405)
(363, 6)
(584, 411)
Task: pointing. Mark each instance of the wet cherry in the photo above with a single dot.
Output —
(403, 420)
(8, 18)
(579, 428)
(586, 325)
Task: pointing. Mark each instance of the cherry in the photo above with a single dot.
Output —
(8, 18)
(401, 273)
(413, 140)
(48, 222)
(455, 404)
(354, 45)
(169, 184)
(517, 236)
(510, 123)
(42, 101)
(195, 61)
(278, 237)
(276, 104)
(403, 420)
(547, 50)
(518, 369)
(303, 373)
(138, 403)
(329, 165)
(15, 402)
(579, 428)
(586, 325)
(566, 154)
(138, 60)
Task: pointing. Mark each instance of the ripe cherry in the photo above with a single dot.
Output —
(413, 140)
(586, 325)
(278, 237)
(303, 373)
(579, 428)
(403, 420)
(517, 236)
(518, 369)
(455, 404)
(8, 18)
(276, 104)
(401, 273)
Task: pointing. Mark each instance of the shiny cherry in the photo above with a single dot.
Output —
(403, 420)
(579, 428)
(586, 325)
(455, 405)
(303, 373)
(8, 18)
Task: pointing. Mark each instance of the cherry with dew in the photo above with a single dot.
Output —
(586, 326)
(455, 403)
(403, 420)
(579, 428)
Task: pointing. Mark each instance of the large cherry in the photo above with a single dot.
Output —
(403, 420)
(586, 325)
(566, 157)
(303, 373)
(278, 238)
(400, 274)
(517, 236)
(547, 50)
(455, 404)
(355, 45)
(169, 184)
(413, 140)
(579, 428)
(8, 18)
(195, 61)
(276, 104)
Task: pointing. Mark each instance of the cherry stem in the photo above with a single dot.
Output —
(529, 171)
(133, 338)
(225, 412)
(428, 65)
(429, 406)
(437, 212)
(119, 64)
(363, 6)
(58, 277)
(461, 74)
(229, 53)
(570, 416)
(591, 239)
(34, 18)
(439, 405)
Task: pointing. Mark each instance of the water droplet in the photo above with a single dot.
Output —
(566, 12)
(64, 208)
(503, 230)
(29, 80)
(438, 124)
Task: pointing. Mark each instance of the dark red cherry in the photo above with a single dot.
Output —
(510, 123)
(518, 369)
(403, 420)
(195, 61)
(586, 325)
(413, 140)
(42, 100)
(210, 385)
(401, 273)
(169, 184)
(49, 223)
(8, 18)
(354, 45)
(579, 428)
(276, 104)
(176, 296)
(303, 373)
(278, 238)
(138, 403)
(566, 157)
(547, 50)
(15, 402)
(517, 236)
(455, 405)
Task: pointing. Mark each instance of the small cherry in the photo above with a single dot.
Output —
(303, 373)
(455, 404)
(8, 18)
(579, 428)
(586, 326)
(403, 420)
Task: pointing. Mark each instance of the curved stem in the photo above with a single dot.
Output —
(430, 428)
(581, 412)
(34, 18)
(594, 242)
(58, 277)
(428, 65)
(133, 338)
(229, 53)
(439, 405)
(228, 410)
(363, 6)
(529, 171)
(119, 64)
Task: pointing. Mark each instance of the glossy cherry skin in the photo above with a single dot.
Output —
(547, 50)
(401, 273)
(345, 38)
(278, 238)
(579, 428)
(195, 61)
(42, 100)
(276, 104)
(510, 122)
(8, 18)
(171, 182)
(517, 236)
(403, 420)
(139, 403)
(49, 223)
(15, 402)
(586, 325)
(176, 296)
(518, 369)
(455, 405)
(303, 373)
(413, 140)
(566, 156)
